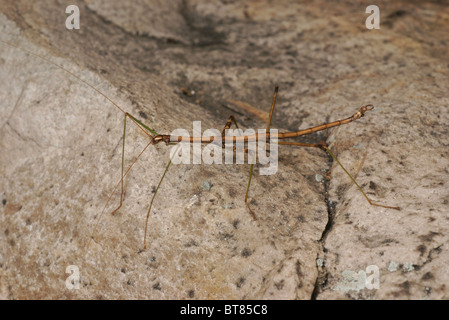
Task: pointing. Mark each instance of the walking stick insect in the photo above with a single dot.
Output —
(156, 138)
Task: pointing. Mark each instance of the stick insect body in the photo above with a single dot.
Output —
(156, 138)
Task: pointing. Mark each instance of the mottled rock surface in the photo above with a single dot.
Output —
(171, 63)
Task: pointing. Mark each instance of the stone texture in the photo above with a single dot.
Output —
(61, 150)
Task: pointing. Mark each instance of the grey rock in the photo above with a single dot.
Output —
(61, 145)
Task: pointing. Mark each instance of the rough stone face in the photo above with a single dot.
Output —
(172, 63)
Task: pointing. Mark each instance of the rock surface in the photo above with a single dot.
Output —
(181, 61)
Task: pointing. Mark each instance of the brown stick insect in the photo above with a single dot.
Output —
(156, 138)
